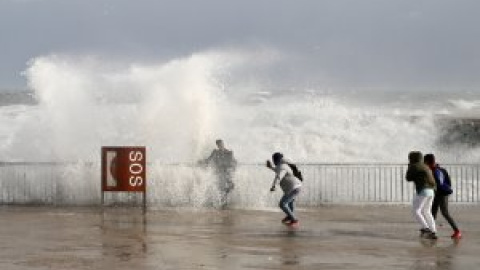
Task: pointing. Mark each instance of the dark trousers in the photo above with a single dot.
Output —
(225, 185)
(441, 201)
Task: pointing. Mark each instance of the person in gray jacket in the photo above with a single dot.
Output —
(290, 185)
(422, 177)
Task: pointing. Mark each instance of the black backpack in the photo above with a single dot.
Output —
(296, 172)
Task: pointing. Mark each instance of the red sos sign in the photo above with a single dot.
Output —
(123, 169)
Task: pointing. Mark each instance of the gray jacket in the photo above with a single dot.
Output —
(288, 182)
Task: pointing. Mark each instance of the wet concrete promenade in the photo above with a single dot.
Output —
(330, 237)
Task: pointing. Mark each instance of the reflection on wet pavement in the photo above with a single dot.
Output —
(333, 237)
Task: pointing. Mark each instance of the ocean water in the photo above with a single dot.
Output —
(178, 108)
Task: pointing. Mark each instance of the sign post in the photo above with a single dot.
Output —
(124, 170)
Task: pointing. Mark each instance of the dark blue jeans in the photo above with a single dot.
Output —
(286, 203)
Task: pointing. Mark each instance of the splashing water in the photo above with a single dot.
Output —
(178, 108)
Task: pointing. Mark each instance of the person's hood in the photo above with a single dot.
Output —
(415, 157)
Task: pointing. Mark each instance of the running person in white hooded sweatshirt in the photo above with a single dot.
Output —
(290, 185)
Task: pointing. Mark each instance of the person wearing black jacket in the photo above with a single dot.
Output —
(442, 192)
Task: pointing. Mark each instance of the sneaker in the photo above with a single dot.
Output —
(286, 220)
(432, 236)
(294, 223)
(424, 232)
(456, 235)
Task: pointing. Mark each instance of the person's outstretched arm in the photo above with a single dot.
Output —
(279, 174)
(209, 159)
(270, 166)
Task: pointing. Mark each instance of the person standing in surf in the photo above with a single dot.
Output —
(422, 177)
(224, 164)
(444, 189)
(290, 185)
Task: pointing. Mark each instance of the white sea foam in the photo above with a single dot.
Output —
(178, 108)
(463, 104)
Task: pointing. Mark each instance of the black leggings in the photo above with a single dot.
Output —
(442, 202)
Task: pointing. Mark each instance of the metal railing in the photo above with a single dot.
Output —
(184, 184)
(380, 183)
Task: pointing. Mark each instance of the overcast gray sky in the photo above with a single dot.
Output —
(365, 43)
